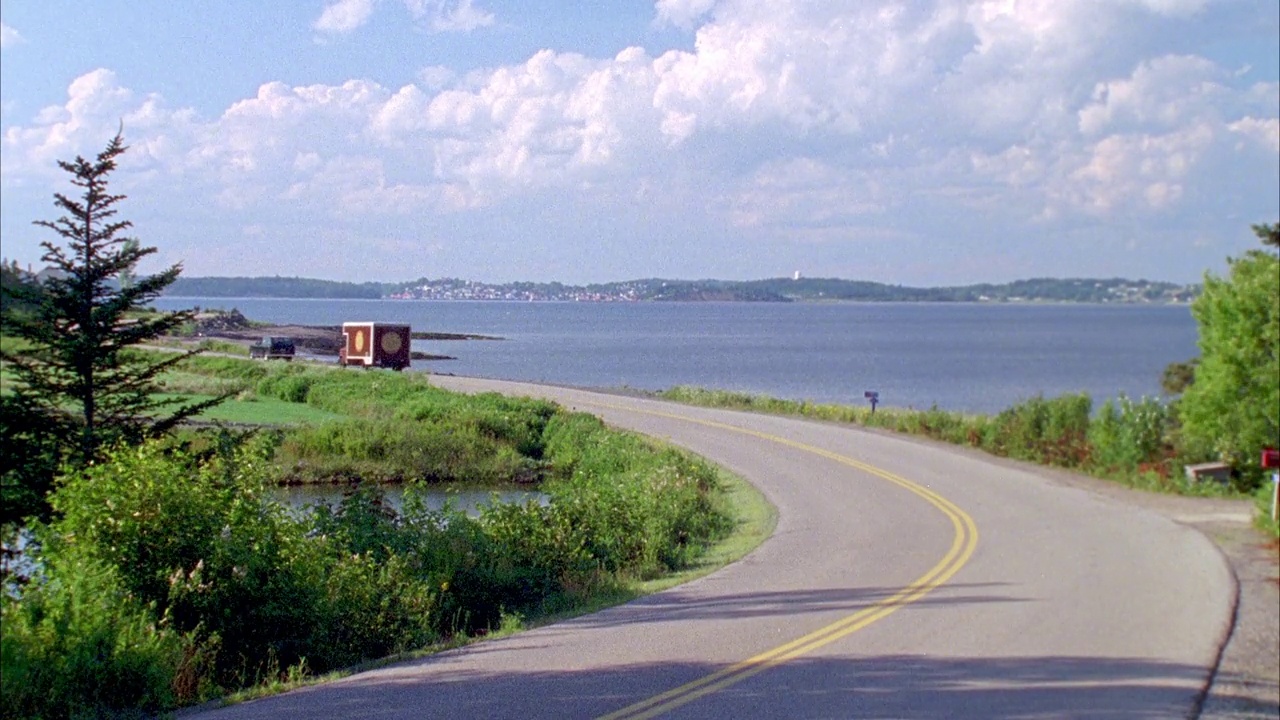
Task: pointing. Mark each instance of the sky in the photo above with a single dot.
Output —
(929, 142)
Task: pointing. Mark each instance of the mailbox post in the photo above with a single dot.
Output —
(874, 397)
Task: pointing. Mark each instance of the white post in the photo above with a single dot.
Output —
(1275, 494)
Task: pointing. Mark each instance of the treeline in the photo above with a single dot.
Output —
(1032, 290)
(274, 287)
(12, 280)
(1112, 290)
(1084, 290)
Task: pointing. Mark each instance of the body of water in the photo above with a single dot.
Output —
(468, 500)
(966, 357)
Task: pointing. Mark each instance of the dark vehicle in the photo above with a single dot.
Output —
(375, 344)
(272, 348)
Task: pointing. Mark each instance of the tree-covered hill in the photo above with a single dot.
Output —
(1113, 290)
(273, 287)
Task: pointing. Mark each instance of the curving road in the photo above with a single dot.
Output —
(904, 580)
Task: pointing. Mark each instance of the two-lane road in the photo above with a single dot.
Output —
(904, 580)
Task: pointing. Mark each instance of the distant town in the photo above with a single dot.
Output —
(790, 289)
(451, 289)
(798, 289)
(786, 289)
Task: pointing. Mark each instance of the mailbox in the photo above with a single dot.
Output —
(1270, 458)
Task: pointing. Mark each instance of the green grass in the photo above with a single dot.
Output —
(252, 410)
(213, 345)
(1263, 500)
(754, 520)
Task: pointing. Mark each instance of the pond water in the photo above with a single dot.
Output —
(466, 499)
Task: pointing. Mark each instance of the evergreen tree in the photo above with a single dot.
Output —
(74, 388)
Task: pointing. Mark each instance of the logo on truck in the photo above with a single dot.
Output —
(391, 343)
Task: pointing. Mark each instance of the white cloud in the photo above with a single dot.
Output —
(1148, 170)
(343, 16)
(808, 199)
(1263, 131)
(1176, 8)
(95, 105)
(450, 15)
(9, 37)
(804, 121)
(1164, 92)
(682, 13)
(436, 77)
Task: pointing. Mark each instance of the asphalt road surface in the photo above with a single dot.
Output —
(904, 580)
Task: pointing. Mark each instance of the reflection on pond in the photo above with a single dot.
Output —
(466, 499)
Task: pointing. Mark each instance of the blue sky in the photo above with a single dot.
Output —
(925, 143)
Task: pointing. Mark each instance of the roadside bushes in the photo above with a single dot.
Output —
(1051, 431)
(1130, 434)
(404, 429)
(643, 510)
(1133, 440)
(170, 577)
(77, 644)
(205, 561)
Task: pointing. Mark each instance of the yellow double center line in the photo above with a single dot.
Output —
(962, 547)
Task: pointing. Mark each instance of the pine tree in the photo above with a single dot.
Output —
(75, 384)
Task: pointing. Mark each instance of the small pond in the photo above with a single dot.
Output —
(466, 499)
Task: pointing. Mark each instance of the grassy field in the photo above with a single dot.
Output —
(250, 409)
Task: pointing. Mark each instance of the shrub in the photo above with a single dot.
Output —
(1052, 431)
(1127, 434)
(205, 544)
(371, 608)
(640, 510)
(76, 644)
(290, 383)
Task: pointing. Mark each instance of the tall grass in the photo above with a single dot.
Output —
(76, 644)
(1131, 441)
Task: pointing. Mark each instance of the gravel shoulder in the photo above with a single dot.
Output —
(1247, 682)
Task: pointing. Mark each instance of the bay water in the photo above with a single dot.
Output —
(962, 357)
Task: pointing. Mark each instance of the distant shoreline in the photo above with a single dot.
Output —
(325, 340)
(827, 301)
(775, 290)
